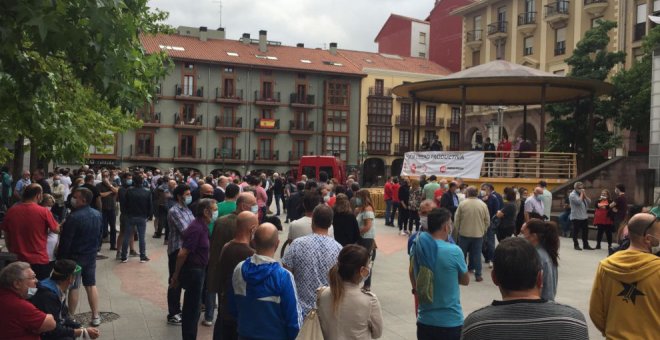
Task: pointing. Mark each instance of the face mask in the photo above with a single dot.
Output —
(254, 209)
(74, 202)
(537, 197)
(358, 201)
(424, 221)
(483, 193)
(56, 182)
(457, 191)
(655, 249)
(214, 216)
(602, 197)
(188, 200)
(116, 177)
(31, 292)
(129, 182)
(326, 198)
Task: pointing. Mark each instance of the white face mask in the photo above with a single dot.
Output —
(424, 222)
(74, 202)
(31, 292)
(483, 193)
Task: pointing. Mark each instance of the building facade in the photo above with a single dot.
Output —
(404, 36)
(542, 34)
(244, 105)
(389, 124)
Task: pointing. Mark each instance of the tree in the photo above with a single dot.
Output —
(632, 95)
(581, 127)
(72, 73)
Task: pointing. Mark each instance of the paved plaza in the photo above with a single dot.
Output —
(137, 292)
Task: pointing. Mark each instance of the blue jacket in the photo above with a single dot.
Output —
(264, 301)
(81, 234)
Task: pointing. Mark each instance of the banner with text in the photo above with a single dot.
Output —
(443, 164)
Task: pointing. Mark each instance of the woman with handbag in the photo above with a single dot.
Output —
(365, 218)
(346, 311)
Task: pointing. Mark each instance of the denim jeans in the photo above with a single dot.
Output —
(278, 199)
(388, 211)
(472, 245)
(173, 294)
(565, 223)
(488, 247)
(141, 224)
(395, 207)
(110, 218)
(209, 304)
(425, 332)
(192, 281)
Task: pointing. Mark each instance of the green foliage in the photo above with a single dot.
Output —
(73, 72)
(571, 129)
(632, 95)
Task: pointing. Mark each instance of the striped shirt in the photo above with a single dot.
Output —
(178, 219)
(525, 319)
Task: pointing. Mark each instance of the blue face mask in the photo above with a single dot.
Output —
(214, 216)
(358, 201)
(254, 209)
(129, 182)
(188, 200)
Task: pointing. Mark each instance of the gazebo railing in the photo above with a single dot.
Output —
(514, 164)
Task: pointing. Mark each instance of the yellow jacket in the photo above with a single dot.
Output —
(625, 298)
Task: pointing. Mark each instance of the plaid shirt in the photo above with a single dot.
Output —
(178, 219)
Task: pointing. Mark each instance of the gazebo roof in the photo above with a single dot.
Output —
(500, 82)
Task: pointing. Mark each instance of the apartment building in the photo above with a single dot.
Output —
(389, 125)
(243, 105)
(542, 34)
(404, 36)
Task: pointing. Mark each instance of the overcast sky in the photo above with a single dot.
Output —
(353, 24)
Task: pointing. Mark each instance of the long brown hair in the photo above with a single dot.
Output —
(349, 262)
(342, 205)
(365, 196)
(548, 235)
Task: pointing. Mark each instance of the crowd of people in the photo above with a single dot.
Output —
(222, 243)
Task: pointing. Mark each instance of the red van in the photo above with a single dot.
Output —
(311, 166)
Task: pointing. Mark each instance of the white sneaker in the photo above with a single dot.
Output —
(402, 233)
(490, 265)
(207, 323)
(96, 321)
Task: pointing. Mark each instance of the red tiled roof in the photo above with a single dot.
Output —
(393, 63)
(215, 51)
(398, 17)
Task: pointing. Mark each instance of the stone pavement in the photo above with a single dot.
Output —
(137, 292)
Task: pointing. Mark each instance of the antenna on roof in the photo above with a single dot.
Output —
(219, 2)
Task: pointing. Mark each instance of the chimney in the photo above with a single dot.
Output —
(202, 33)
(300, 45)
(333, 48)
(263, 45)
(218, 34)
(246, 38)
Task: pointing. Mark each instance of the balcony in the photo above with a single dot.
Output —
(400, 149)
(301, 100)
(196, 94)
(266, 125)
(377, 148)
(150, 119)
(228, 97)
(560, 48)
(228, 123)
(403, 120)
(194, 155)
(433, 124)
(194, 123)
(294, 157)
(527, 23)
(380, 91)
(297, 128)
(556, 13)
(595, 8)
(140, 155)
(265, 156)
(473, 39)
(230, 156)
(453, 124)
(267, 98)
(497, 30)
(382, 120)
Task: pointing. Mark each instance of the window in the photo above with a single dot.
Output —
(500, 49)
(188, 113)
(422, 38)
(227, 146)
(187, 146)
(422, 55)
(227, 117)
(560, 41)
(336, 145)
(228, 90)
(501, 16)
(429, 135)
(476, 58)
(338, 93)
(379, 88)
(300, 119)
(640, 23)
(477, 28)
(265, 148)
(337, 121)
(404, 138)
(188, 85)
(454, 140)
(267, 90)
(299, 148)
(656, 6)
(379, 139)
(379, 110)
(266, 114)
(530, 6)
(406, 109)
(430, 116)
(455, 116)
(144, 145)
(528, 48)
